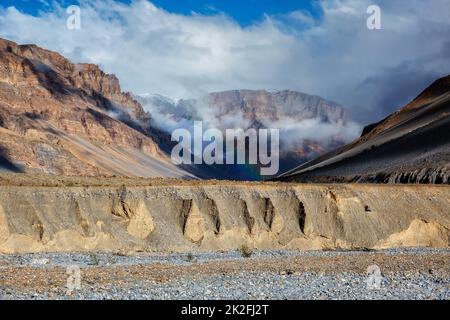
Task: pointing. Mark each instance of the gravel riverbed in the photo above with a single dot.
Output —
(390, 274)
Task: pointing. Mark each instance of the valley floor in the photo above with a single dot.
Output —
(404, 274)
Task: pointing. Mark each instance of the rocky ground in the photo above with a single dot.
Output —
(404, 274)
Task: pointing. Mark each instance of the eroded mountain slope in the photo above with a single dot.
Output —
(410, 146)
(62, 118)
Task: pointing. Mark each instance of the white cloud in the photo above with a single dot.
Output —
(336, 56)
(169, 115)
(293, 133)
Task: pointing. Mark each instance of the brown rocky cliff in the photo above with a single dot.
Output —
(76, 111)
(134, 214)
(31, 63)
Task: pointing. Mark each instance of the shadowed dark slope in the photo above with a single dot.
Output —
(410, 146)
(6, 164)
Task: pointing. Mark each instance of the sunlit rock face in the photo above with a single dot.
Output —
(71, 119)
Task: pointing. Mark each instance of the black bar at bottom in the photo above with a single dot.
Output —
(221, 309)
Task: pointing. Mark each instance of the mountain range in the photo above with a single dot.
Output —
(309, 125)
(62, 118)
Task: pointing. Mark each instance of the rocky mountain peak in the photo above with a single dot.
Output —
(260, 104)
(65, 118)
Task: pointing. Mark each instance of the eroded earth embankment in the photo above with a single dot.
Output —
(189, 217)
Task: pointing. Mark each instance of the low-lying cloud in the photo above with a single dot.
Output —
(169, 115)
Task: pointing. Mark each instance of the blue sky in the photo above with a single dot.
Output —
(245, 12)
